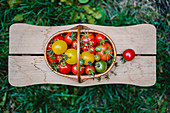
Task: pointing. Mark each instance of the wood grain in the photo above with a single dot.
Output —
(29, 70)
(31, 39)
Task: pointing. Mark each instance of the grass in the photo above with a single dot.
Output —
(102, 98)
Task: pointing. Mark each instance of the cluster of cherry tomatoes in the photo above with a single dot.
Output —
(96, 53)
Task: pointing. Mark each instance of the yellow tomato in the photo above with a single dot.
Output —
(72, 53)
(86, 56)
(59, 47)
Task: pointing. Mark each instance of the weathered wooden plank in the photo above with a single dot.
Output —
(30, 39)
(29, 70)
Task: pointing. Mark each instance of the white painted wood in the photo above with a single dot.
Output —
(31, 39)
(29, 70)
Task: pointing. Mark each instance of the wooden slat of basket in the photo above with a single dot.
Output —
(30, 39)
(29, 70)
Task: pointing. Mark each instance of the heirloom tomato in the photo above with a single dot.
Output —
(72, 54)
(59, 47)
(70, 37)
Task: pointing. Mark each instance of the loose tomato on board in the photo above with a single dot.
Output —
(129, 54)
(74, 44)
(74, 69)
(58, 38)
(106, 51)
(90, 70)
(64, 69)
(70, 37)
(52, 58)
(59, 47)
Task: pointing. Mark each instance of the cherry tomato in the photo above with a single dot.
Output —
(92, 50)
(72, 53)
(129, 54)
(92, 42)
(52, 58)
(70, 37)
(86, 56)
(58, 38)
(87, 37)
(74, 69)
(100, 38)
(97, 57)
(85, 48)
(49, 46)
(64, 69)
(59, 47)
(74, 44)
(59, 58)
(106, 52)
(89, 70)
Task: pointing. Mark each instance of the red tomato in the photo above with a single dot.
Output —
(129, 54)
(65, 69)
(59, 58)
(92, 50)
(74, 44)
(89, 70)
(85, 48)
(49, 46)
(99, 38)
(74, 69)
(106, 51)
(87, 37)
(92, 42)
(58, 38)
(69, 38)
(52, 58)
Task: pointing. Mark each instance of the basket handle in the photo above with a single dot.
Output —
(78, 54)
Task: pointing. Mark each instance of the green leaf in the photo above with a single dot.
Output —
(97, 15)
(88, 9)
(13, 3)
(74, 17)
(18, 17)
(83, 1)
(91, 20)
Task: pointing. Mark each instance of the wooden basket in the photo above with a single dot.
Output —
(78, 77)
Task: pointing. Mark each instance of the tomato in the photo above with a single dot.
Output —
(97, 57)
(64, 69)
(87, 37)
(72, 53)
(87, 57)
(85, 48)
(81, 61)
(52, 58)
(74, 69)
(58, 38)
(59, 58)
(90, 70)
(59, 47)
(74, 44)
(49, 46)
(100, 39)
(106, 52)
(70, 37)
(101, 66)
(92, 50)
(129, 54)
(92, 42)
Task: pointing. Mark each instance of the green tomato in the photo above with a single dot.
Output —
(101, 66)
(81, 62)
(98, 49)
(97, 57)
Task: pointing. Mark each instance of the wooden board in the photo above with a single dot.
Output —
(29, 70)
(30, 39)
